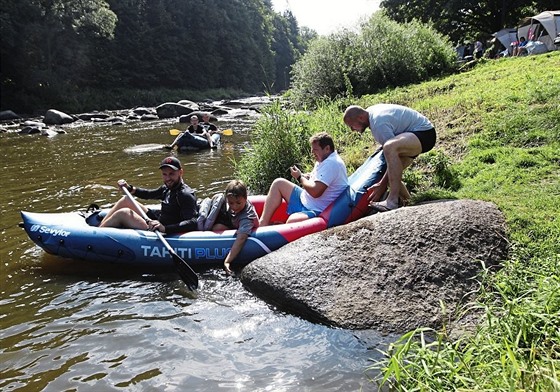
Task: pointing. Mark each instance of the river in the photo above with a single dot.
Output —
(70, 325)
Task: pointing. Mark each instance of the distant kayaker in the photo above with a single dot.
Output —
(178, 211)
(403, 133)
(238, 213)
(317, 189)
(195, 129)
(207, 125)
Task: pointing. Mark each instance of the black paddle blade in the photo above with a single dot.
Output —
(185, 272)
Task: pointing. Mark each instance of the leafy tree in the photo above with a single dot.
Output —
(52, 39)
(383, 54)
(465, 19)
(78, 52)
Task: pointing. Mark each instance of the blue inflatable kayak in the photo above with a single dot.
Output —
(192, 142)
(76, 235)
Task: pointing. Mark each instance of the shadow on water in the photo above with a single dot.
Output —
(72, 325)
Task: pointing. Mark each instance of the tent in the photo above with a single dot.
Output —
(506, 37)
(543, 27)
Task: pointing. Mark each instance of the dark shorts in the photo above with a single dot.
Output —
(153, 214)
(427, 139)
(295, 205)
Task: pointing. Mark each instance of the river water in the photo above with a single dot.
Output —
(71, 325)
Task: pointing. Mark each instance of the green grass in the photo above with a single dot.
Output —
(498, 130)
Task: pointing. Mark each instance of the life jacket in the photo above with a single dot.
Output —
(208, 211)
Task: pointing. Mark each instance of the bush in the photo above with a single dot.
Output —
(279, 140)
(384, 54)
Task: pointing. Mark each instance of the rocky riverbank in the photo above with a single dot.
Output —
(54, 121)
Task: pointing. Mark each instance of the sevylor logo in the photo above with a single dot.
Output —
(48, 230)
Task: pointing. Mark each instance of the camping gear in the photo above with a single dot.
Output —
(543, 27)
(507, 37)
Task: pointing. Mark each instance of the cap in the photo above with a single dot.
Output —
(171, 162)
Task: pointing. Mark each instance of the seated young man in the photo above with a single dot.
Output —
(178, 212)
(317, 189)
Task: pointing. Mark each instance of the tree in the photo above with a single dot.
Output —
(53, 40)
(465, 19)
(68, 52)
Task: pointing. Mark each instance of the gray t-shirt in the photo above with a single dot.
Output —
(388, 120)
(246, 220)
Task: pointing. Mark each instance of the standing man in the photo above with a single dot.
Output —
(403, 133)
(318, 189)
(178, 211)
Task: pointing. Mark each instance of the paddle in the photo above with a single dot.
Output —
(227, 132)
(185, 271)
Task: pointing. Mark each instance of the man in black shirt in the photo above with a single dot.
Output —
(178, 211)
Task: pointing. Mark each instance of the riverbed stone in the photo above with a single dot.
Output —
(390, 271)
(172, 109)
(8, 115)
(56, 117)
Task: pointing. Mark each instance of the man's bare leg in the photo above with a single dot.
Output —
(398, 154)
(281, 189)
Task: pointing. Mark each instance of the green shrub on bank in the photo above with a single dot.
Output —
(383, 54)
(280, 139)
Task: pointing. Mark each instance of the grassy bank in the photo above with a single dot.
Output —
(498, 140)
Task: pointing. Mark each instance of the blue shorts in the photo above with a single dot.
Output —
(295, 205)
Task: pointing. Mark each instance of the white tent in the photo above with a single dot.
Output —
(543, 27)
(506, 37)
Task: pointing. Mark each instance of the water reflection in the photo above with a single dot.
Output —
(67, 324)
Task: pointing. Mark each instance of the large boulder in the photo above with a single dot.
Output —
(56, 117)
(172, 109)
(388, 271)
(8, 115)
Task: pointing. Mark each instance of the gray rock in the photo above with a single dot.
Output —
(8, 115)
(93, 115)
(149, 117)
(56, 117)
(388, 271)
(172, 109)
(189, 104)
(142, 111)
(219, 112)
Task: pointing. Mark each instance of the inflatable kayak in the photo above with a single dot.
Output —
(76, 235)
(192, 142)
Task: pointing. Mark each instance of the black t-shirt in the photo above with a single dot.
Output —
(209, 126)
(199, 129)
(179, 210)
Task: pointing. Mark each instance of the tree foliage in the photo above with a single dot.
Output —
(53, 51)
(466, 20)
(383, 54)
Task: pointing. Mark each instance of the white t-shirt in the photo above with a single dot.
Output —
(332, 173)
(388, 120)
